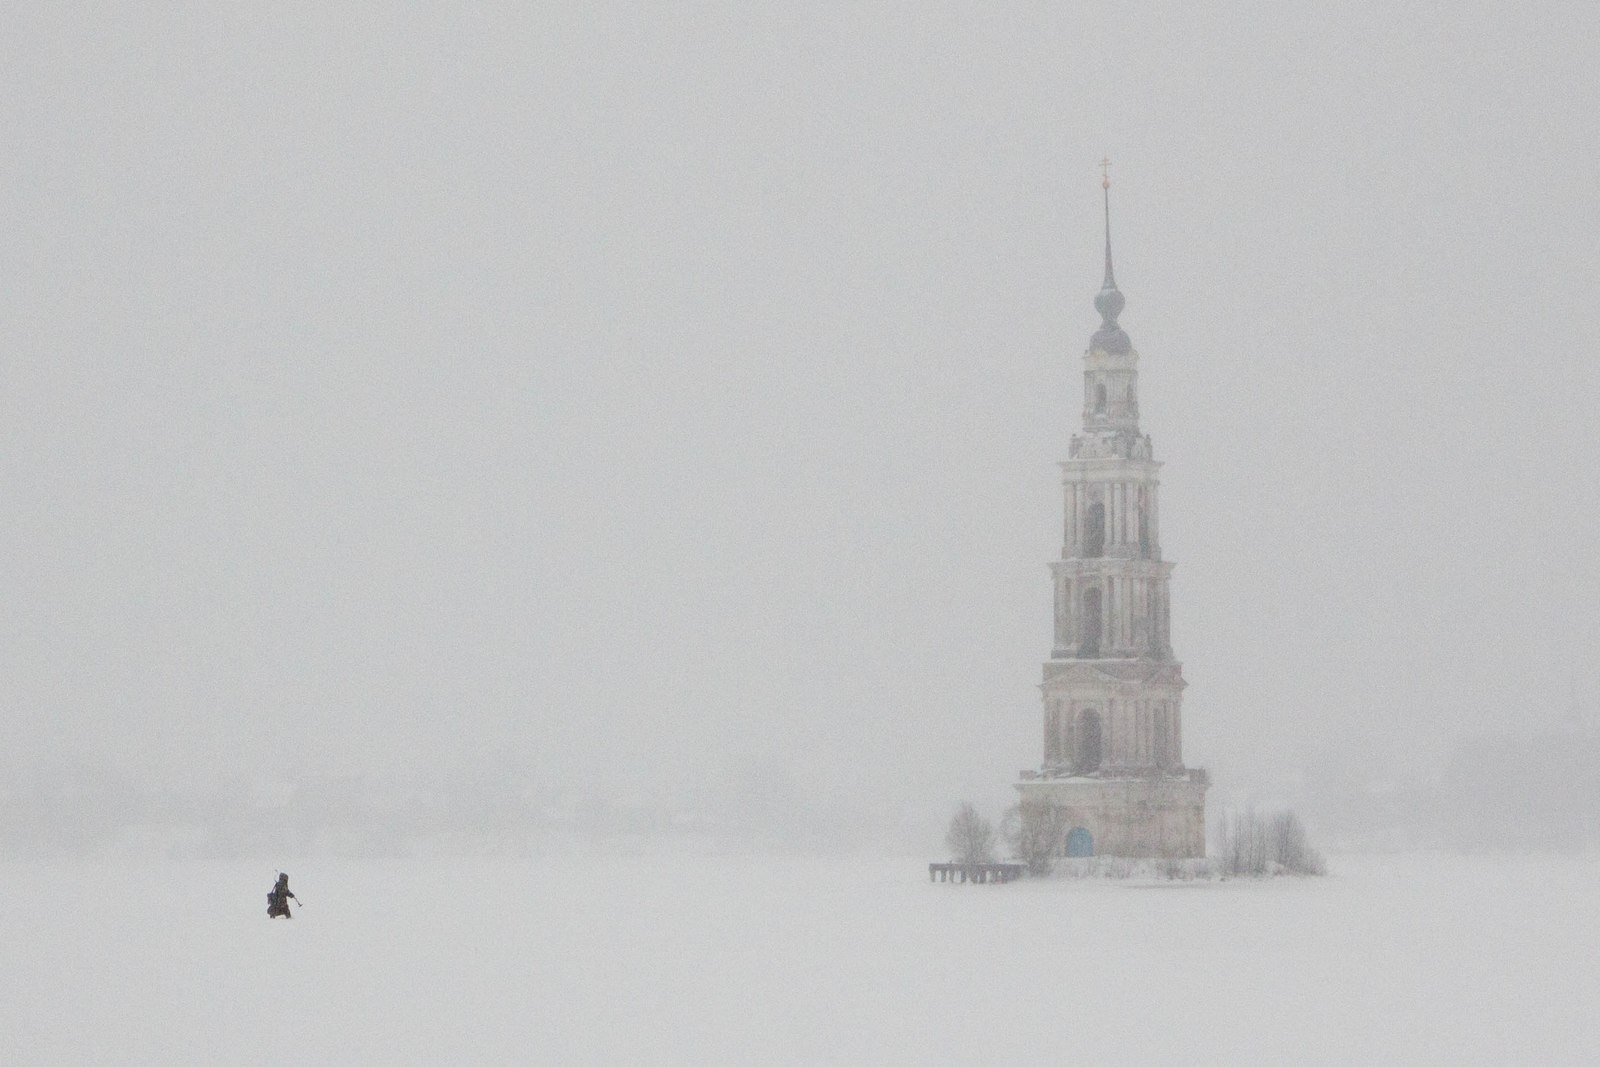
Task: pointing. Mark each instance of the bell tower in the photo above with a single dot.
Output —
(1113, 693)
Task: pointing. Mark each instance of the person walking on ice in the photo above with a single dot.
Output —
(278, 899)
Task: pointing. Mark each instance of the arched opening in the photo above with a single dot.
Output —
(1089, 644)
(1088, 746)
(1094, 531)
(1099, 400)
(1080, 843)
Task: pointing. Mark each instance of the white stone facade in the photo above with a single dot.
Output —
(1113, 693)
(1137, 817)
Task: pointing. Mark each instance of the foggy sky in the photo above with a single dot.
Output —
(661, 393)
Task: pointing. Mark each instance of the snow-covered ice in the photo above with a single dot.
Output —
(628, 960)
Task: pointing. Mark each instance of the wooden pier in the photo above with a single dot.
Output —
(974, 872)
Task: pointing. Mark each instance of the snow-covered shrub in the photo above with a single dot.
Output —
(1119, 866)
(1124, 868)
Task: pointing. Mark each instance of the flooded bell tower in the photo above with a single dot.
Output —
(1113, 693)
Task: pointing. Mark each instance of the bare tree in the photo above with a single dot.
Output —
(1035, 830)
(1253, 844)
(1290, 847)
(970, 837)
(1244, 843)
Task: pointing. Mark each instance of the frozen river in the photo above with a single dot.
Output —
(1414, 959)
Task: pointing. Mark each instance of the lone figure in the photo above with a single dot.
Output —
(278, 899)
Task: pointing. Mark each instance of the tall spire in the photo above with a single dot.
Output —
(1109, 302)
(1105, 188)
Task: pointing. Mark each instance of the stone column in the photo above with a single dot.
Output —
(1080, 508)
(1069, 734)
(1177, 732)
(1126, 618)
(1155, 518)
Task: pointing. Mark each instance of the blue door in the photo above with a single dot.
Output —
(1080, 842)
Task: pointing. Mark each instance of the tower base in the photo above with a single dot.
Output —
(1141, 818)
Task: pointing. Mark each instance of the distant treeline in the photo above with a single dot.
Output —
(94, 809)
(1505, 791)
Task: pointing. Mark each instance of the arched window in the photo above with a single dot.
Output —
(1089, 742)
(1094, 531)
(1099, 400)
(1089, 646)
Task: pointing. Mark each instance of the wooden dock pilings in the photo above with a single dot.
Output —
(975, 872)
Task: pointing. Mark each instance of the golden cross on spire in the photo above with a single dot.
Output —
(1105, 173)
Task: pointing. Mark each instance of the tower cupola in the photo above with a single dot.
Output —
(1111, 366)
(1110, 337)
